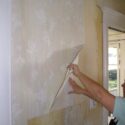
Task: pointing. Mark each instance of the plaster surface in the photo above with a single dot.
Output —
(46, 35)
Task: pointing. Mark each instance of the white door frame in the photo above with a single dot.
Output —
(116, 20)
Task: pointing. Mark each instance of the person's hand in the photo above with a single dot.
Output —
(75, 69)
(76, 89)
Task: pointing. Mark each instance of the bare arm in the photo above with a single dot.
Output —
(93, 89)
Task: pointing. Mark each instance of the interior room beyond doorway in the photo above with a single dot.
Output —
(116, 61)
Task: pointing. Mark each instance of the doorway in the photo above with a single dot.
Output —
(116, 63)
(113, 53)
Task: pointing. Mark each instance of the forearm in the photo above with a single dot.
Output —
(93, 87)
(98, 92)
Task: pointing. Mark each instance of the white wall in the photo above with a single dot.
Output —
(5, 62)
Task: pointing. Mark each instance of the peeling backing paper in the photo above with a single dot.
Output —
(62, 99)
(50, 86)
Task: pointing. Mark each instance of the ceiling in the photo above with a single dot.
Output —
(115, 36)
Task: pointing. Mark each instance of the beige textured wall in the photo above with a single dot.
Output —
(45, 36)
(79, 114)
(91, 63)
(33, 33)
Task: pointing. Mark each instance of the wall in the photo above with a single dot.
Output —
(84, 113)
(78, 114)
(5, 39)
(45, 38)
(38, 30)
